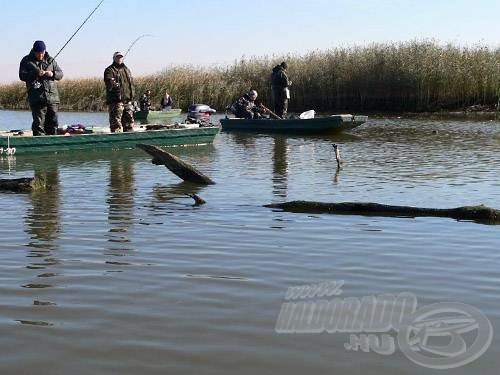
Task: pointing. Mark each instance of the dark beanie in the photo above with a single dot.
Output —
(284, 65)
(39, 46)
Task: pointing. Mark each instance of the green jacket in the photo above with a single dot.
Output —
(41, 90)
(279, 79)
(119, 84)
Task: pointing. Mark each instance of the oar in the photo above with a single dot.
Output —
(273, 115)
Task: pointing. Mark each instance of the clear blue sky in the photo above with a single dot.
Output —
(220, 31)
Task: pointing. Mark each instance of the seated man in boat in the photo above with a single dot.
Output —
(245, 106)
(166, 103)
(145, 102)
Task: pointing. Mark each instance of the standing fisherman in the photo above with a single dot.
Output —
(40, 72)
(281, 92)
(120, 93)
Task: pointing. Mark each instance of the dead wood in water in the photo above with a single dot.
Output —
(198, 201)
(20, 185)
(478, 214)
(177, 166)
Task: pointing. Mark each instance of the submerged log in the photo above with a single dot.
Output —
(177, 166)
(20, 185)
(478, 214)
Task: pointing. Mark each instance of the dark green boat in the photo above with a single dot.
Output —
(24, 144)
(156, 116)
(314, 125)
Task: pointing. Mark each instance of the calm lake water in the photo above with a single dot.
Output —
(114, 271)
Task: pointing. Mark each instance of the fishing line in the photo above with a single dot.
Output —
(134, 42)
(83, 23)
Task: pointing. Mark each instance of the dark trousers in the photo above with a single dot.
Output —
(245, 114)
(45, 120)
(280, 104)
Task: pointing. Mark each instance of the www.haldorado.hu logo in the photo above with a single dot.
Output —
(432, 336)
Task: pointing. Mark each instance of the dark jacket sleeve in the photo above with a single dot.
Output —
(58, 73)
(28, 72)
(283, 78)
(109, 79)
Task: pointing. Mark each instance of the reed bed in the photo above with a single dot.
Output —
(406, 77)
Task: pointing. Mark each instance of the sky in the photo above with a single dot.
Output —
(218, 32)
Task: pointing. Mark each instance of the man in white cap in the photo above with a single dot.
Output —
(120, 93)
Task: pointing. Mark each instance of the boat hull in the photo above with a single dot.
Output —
(154, 116)
(95, 141)
(314, 125)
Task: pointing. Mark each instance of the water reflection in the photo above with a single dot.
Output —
(244, 139)
(42, 219)
(165, 196)
(280, 167)
(7, 164)
(120, 205)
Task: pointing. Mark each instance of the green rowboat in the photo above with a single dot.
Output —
(25, 144)
(156, 116)
(332, 123)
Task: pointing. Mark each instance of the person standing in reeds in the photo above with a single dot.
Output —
(120, 93)
(281, 92)
(40, 72)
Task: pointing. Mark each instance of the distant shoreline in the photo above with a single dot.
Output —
(414, 77)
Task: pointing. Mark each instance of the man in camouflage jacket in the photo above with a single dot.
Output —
(120, 93)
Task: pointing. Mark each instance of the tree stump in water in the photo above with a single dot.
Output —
(20, 185)
(177, 166)
(478, 214)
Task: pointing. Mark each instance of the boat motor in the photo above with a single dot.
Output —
(199, 113)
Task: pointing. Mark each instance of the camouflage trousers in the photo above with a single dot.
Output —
(121, 117)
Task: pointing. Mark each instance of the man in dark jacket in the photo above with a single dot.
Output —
(40, 72)
(145, 101)
(120, 93)
(281, 92)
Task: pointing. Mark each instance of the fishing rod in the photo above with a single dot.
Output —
(134, 42)
(77, 30)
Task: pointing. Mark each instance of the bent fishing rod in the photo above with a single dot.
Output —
(134, 42)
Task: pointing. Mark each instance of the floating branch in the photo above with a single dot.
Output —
(478, 214)
(198, 201)
(337, 155)
(177, 166)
